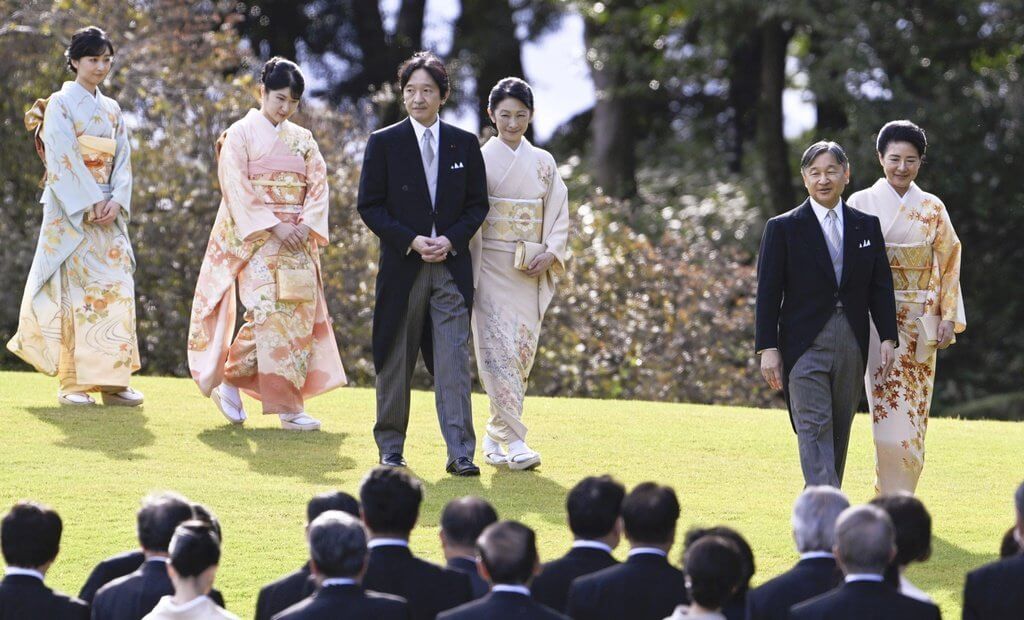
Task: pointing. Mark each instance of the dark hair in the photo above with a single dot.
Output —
(391, 499)
(337, 544)
(157, 519)
(1009, 545)
(88, 41)
(650, 512)
(508, 550)
(740, 544)
(594, 505)
(901, 131)
(912, 525)
(202, 513)
(281, 73)
(824, 146)
(510, 87)
(331, 500)
(429, 63)
(1018, 499)
(194, 548)
(713, 567)
(464, 519)
(30, 535)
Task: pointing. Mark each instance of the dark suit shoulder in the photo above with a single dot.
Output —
(1006, 567)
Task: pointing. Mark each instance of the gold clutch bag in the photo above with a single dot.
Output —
(296, 284)
(927, 336)
(526, 251)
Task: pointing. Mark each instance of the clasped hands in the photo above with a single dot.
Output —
(771, 363)
(432, 250)
(292, 236)
(104, 212)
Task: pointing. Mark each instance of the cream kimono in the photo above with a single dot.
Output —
(77, 318)
(285, 352)
(529, 202)
(924, 253)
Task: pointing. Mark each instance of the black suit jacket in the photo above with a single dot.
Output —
(808, 579)
(283, 593)
(468, 567)
(503, 605)
(134, 595)
(394, 202)
(995, 591)
(347, 603)
(797, 290)
(644, 587)
(551, 586)
(110, 569)
(23, 597)
(428, 588)
(864, 600)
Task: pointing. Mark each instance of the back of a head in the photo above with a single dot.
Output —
(508, 550)
(337, 544)
(30, 535)
(739, 544)
(594, 505)
(331, 500)
(390, 499)
(865, 541)
(649, 514)
(194, 548)
(714, 570)
(1009, 546)
(912, 526)
(157, 519)
(464, 519)
(1018, 498)
(814, 518)
(204, 514)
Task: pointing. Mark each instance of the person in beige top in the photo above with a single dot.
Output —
(195, 554)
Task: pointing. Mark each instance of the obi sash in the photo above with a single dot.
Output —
(280, 179)
(511, 219)
(98, 155)
(911, 270)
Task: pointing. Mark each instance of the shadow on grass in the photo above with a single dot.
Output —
(311, 456)
(515, 494)
(118, 433)
(934, 575)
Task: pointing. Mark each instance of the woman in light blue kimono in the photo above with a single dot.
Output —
(77, 319)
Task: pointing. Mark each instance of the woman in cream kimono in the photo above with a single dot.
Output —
(77, 318)
(265, 240)
(924, 253)
(516, 254)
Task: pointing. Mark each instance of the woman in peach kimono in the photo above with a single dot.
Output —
(516, 254)
(265, 241)
(77, 319)
(924, 253)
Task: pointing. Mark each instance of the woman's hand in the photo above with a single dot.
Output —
(107, 213)
(286, 233)
(945, 334)
(540, 264)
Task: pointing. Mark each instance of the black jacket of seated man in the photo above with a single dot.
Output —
(428, 588)
(644, 587)
(995, 592)
(24, 597)
(809, 578)
(118, 566)
(503, 605)
(133, 596)
(279, 595)
(864, 599)
(551, 586)
(350, 602)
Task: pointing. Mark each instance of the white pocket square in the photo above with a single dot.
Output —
(865, 244)
(457, 166)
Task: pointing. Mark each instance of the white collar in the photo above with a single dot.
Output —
(84, 90)
(159, 558)
(420, 129)
(27, 572)
(899, 199)
(338, 581)
(263, 117)
(387, 542)
(507, 587)
(591, 544)
(864, 577)
(811, 555)
(647, 551)
(820, 211)
(170, 605)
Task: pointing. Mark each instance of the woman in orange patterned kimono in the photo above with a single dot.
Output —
(265, 240)
(924, 253)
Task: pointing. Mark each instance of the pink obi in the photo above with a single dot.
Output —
(280, 180)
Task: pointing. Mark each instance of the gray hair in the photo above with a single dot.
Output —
(865, 540)
(814, 517)
(1019, 498)
(824, 146)
(337, 544)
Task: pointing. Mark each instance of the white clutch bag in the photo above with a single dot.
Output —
(526, 251)
(927, 336)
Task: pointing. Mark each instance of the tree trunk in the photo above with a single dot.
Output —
(775, 36)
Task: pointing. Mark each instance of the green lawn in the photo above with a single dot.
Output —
(729, 465)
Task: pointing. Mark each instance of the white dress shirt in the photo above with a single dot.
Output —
(338, 581)
(387, 542)
(821, 212)
(432, 172)
(26, 572)
(507, 587)
(647, 551)
(864, 577)
(591, 544)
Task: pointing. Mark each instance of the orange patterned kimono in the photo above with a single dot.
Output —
(285, 351)
(924, 253)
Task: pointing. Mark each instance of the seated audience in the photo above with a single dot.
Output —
(337, 559)
(293, 587)
(645, 586)
(508, 561)
(736, 607)
(462, 521)
(1009, 546)
(594, 507)
(390, 499)
(30, 540)
(913, 527)
(814, 524)
(996, 591)
(713, 566)
(865, 546)
(194, 556)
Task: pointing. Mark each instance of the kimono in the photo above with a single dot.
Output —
(924, 254)
(528, 202)
(285, 351)
(77, 317)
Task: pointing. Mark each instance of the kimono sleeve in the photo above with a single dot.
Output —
(316, 206)
(121, 176)
(946, 250)
(67, 178)
(556, 203)
(249, 212)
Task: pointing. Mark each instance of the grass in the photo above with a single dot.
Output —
(729, 465)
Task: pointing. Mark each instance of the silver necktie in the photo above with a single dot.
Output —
(428, 149)
(835, 244)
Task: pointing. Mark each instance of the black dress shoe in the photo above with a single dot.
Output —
(462, 466)
(392, 459)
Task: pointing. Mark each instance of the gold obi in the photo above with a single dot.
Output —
(282, 191)
(514, 220)
(911, 266)
(98, 155)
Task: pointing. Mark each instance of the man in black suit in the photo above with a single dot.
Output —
(293, 587)
(814, 525)
(509, 561)
(337, 551)
(865, 545)
(822, 268)
(390, 499)
(30, 539)
(423, 191)
(462, 521)
(133, 596)
(645, 586)
(996, 591)
(594, 507)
